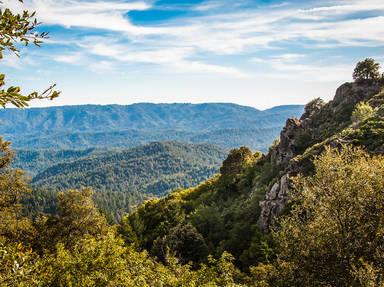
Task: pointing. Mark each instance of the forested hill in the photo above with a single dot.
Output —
(88, 126)
(152, 170)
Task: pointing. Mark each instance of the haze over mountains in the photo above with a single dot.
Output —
(115, 126)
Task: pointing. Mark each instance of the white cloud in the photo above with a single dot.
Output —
(176, 57)
(289, 67)
(195, 66)
(180, 42)
(209, 5)
(71, 58)
(288, 57)
(104, 15)
(14, 62)
(101, 66)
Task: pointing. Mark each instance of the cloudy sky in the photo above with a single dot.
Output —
(260, 53)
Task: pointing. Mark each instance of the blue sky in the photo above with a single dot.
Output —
(250, 52)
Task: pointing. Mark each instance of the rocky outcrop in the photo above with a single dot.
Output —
(319, 122)
(274, 203)
(281, 155)
(285, 150)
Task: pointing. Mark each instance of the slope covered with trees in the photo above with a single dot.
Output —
(120, 178)
(35, 160)
(153, 169)
(313, 199)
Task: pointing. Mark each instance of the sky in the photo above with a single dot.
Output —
(259, 53)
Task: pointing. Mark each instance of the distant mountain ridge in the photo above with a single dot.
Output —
(88, 126)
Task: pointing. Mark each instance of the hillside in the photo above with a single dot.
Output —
(152, 169)
(115, 126)
(234, 211)
(120, 178)
(35, 161)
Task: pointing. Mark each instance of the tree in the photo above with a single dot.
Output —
(236, 162)
(89, 262)
(15, 30)
(76, 217)
(13, 189)
(184, 241)
(368, 69)
(362, 112)
(313, 107)
(333, 235)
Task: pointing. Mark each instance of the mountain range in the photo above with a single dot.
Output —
(116, 126)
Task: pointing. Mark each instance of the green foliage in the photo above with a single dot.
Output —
(313, 107)
(184, 241)
(18, 265)
(79, 249)
(121, 178)
(13, 189)
(209, 221)
(89, 262)
(236, 163)
(153, 169)
(333, 235)
(369, 134)
(368, 69)
(15, 29)
(35, 161)
(225, 215)
(76, 216)
(362, 112)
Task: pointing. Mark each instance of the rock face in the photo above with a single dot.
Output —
(286, 148)
(278, 194)
(274, 203)
(320, 121)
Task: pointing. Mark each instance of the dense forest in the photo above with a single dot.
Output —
(120, 178)
(309, 212)
(153, 169)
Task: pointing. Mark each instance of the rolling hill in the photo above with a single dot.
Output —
(120, 178)
(153, 169)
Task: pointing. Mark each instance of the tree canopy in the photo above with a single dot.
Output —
(333, 234)
(367, 69)
(362, 112)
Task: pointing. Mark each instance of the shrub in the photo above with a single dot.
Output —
(362, 112)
